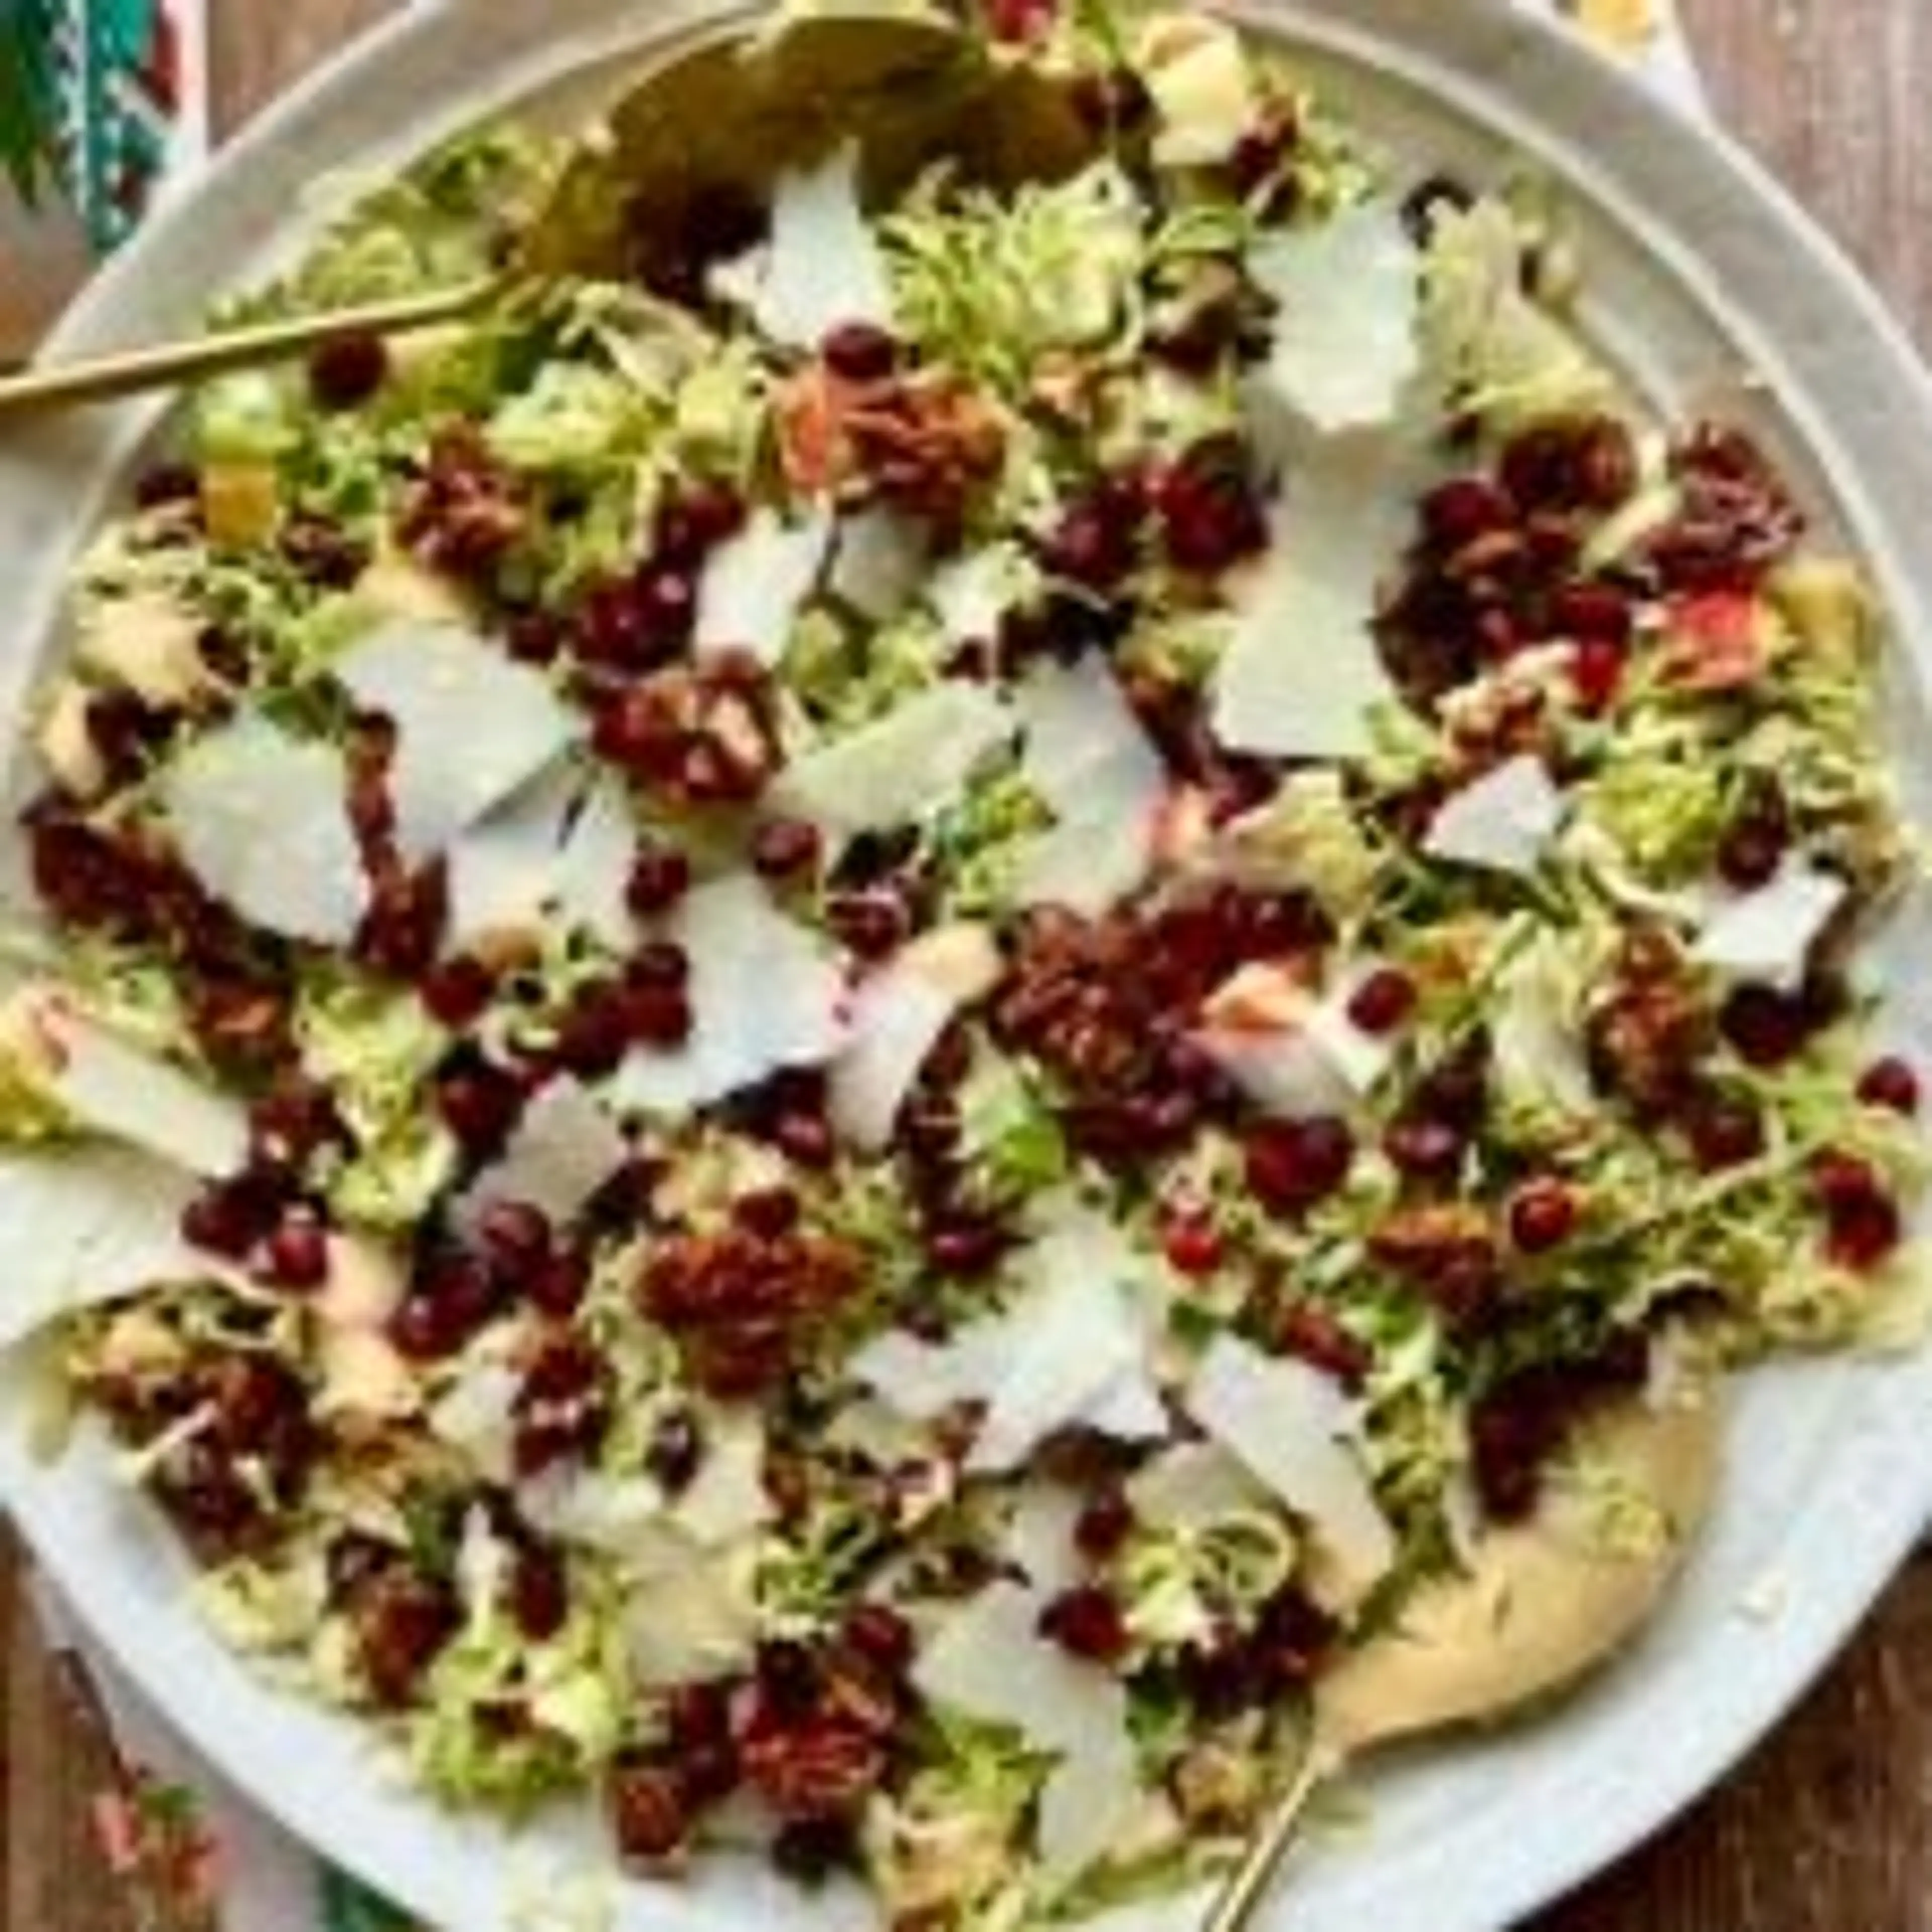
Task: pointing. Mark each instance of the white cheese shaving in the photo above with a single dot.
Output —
(1087, 756)
(897, 769)
(113, 1088)
(1041, 1538)
(1072, 1348)
(594, 865)
(694, 1614)
(1302, 676)
(471, 726)
(898, 1016)
(1196, 72)
(503, 870)
(565, 1147)
(755, 587)
(149, 643)
(1503, 823)
(89, 1225)
(878, 563)
(1194, 1486)
(1293, 1427)
(1767, 936)
(1349, 296)
(727, 1499)
(823, 266)
(1537, 1032)
(989, 1662)
(764, 995)
(971, 594)
(1294, 1053)
(262, 820)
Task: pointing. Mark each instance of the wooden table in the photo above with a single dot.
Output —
(1829, 1829)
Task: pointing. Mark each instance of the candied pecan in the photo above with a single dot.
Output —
(322, 552)
(701, 735)
(402, 931)
(1735, 519)
(1646, 1039)
(738, 1301)
(401, 1621)
(293, 1122)
(241, 1021)
(466, 512)
(1589, 464)
(820, 1767)
(563, 1406)
(1449, 1252)
(651, 1812)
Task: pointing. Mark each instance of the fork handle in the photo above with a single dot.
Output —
(1234, 1909)
(102, 379)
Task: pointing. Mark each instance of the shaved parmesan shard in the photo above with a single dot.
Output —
(1087, 756)
(1196, 71)
(594, 865)
(897, 1017)
(362, 1373)
(1503, 823)
(85, 1226)
(989, 1662)
(1072, 1348)
(878, 563)
(1303, 676)
(471, 726)
(765, 994)
(1291, 1427)
(1349, 296)
(823, 266)
(1193, 1487)
(113, 1088)
(503, 870)
(262, 820)
(1294, 1053)
(1042, 1538)
(565, 1147)
(1538, 1032)
(899, 768)
(1767, 936)
(695, 1615)
(971, 594)
(755, 587)
(151, 644)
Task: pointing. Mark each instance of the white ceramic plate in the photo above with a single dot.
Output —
(1713, 292)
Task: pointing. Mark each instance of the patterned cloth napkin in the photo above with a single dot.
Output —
(194, 1854)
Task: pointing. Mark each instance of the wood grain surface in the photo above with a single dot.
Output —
(1828, 1828)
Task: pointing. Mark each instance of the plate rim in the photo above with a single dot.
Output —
(1868, 1469)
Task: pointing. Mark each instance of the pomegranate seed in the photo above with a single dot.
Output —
(1210, 517)
(965, 1247)
(166, 483)
(1725, 1133)
(539, 1593)
(1424, 1148)
(783, 847)
(1314, 1336)
(1542, 1216)
(516, 1234)
(650, 1812)
(879, 1633)
(480, 1106)
(1259, 155)
(1019, 21)
(698, 1714)
(660, 878)
(1751, 853)
(229, 1217)
(1104, 1525)
(557, 1285)
(1383, 1001)
(805, 1138)
(1843, 1181)
(1891, 1083)
(1455, 514)
(597, 1031)
(659, 1016)
(871, 924)
(1596, 670)
(1090, 548)
(1292, 1166)
(769, 1213)
(1864, 1233)
(1766, 1028)
(296, 1255)
(534, 638)
(1086, 1622)
(661, 963)
(1193, 1244)
(457, 993)
(1597, 611)
(859, 352)
(345, 371)
(443, 1310)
